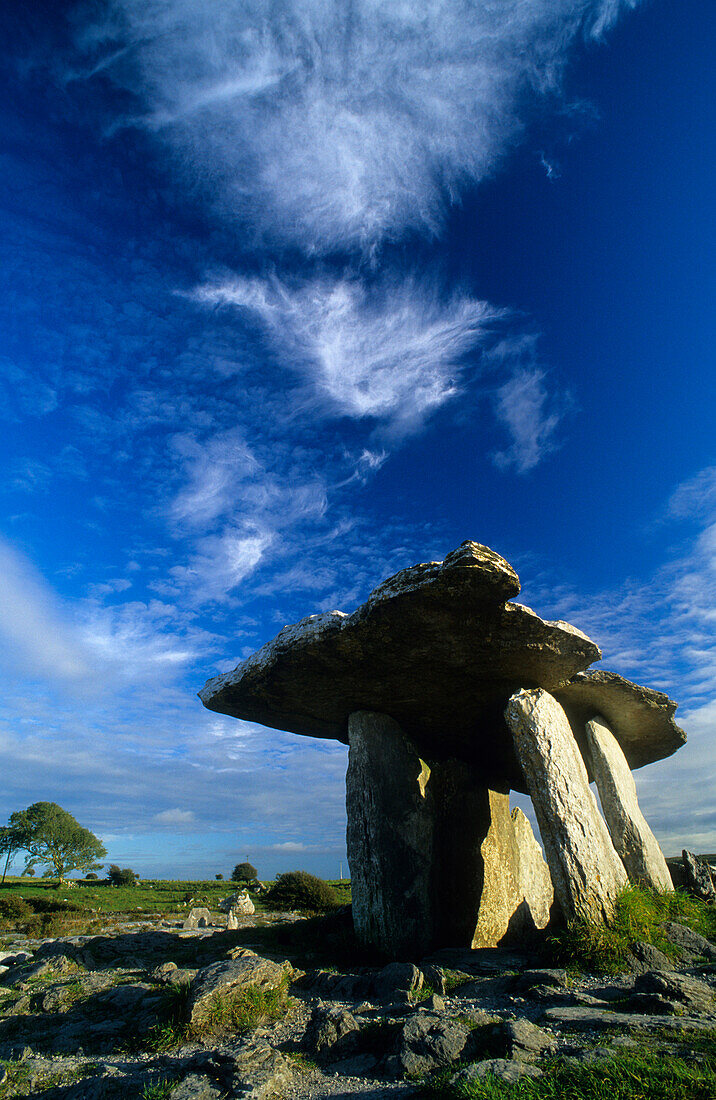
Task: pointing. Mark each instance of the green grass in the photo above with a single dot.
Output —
(234, 1012)
(632, 1076)
(639, 913)
(159, 1090)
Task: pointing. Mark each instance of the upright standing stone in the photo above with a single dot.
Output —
(586, 871)
(390, 837)
(634, 841)
(517, 892)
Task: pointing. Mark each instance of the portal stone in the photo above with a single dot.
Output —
(517, 893)
(390, 837)
(587, 873)
(634, 841)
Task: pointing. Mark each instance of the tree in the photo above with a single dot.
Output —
(218, 877)
(244, 872)
(52, 838)
(121, 876)
(10, 843)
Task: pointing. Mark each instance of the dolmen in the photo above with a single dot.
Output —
(450, 695)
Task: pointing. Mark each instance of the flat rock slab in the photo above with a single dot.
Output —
(641, 719)
(435, 647)
(584, 1018)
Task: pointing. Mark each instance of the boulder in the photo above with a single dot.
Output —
(691, 944)
(587, 874)
(332, 1033)
(198, 917)
(674, 991)
(633, 840)
(397, 981)
(428, 1041)
(240, 902)
(525, 1041)
(436, 647)
(699, 878)
(228, 977)
(389, 837)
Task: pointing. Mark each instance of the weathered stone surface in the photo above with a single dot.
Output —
(587, 874)
(259, 1072)
(428, 1040)
(228, 977)
(397, 981)
(517, 891)
(197, 1087)
(198, 917)
(680, 989)
(640, 718)
(692, 944)
(389, 837)
(504, 1069)
(635, 844)
(525, 1041)
(435, 647)
(240, 902)
(699, 878)
(332, 1033)
(644, 957)
(584, 1018)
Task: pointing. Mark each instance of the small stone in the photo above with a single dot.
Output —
(690, 942)
(397, 981)
(427, 1041)
(644, 957)
(434, 1003)
(502, 1068)
(525, 1041)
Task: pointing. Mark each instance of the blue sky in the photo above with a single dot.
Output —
(296, 295)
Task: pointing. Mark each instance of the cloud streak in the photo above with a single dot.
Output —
(334, 126)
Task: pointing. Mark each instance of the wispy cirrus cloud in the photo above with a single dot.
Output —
(392, 353)
(336, 126)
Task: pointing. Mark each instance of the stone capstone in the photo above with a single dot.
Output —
(641, 719)
(436, 647)
(587, 874)
(633, 840)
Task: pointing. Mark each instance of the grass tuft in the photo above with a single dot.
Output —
(639, 915)
(628, 1076)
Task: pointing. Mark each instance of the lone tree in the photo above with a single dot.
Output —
(244, 872)
(52, 838)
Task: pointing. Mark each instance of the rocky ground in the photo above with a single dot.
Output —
(89, 1017)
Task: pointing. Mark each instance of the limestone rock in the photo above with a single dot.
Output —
(699, 879)
(681, 990)
(397, 981)
(640, 718)
(230, 976)
(504, 1069)
(436, 647)
(587, 874)
(199, 917)
(517, 891)
(240, 902)
(691, 944)
(389, 837)
(332, 1032)
(428, 1040)
(633, 840)
(525, 1041)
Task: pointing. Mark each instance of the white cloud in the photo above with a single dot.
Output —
(175, 818)
(392, 353)
(521, 407)
(333, 125)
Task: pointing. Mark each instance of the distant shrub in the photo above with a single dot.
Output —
(14, 908)
(218, 877)
(29, 871)
(122, 876)
(91, 877)
(244, 872)
(301, 890)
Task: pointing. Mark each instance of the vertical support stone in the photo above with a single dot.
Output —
(587, 873)
(390, 837)
(517, 890)
(633, 839)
